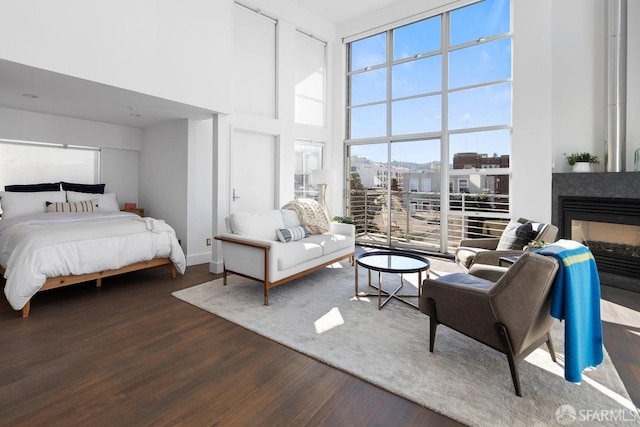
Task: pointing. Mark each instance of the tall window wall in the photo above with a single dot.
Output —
(430, 93)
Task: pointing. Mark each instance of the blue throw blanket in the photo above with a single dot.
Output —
(576, 300)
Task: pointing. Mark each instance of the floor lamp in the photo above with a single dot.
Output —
(322, 178)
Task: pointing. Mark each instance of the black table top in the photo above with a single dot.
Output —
(393, 261)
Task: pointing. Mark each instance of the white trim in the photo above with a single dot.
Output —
(256, 11)
(447, 7)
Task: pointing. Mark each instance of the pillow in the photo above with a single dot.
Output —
(292, 234)
(261, 225)
(515, 236)
(86, 206)
(17, 204)
(290, 218)
(106, 202)
(33, 188)
(83, 188)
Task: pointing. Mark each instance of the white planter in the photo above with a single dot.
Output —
(582, 167)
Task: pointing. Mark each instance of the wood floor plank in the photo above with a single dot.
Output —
(129, 353)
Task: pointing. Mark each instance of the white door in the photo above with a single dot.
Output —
(253, 172)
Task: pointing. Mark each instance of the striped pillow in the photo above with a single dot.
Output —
(292, 234)
(83, 206)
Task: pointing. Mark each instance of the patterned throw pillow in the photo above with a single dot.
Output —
(292, 234)
(84, 206)
(515, 236)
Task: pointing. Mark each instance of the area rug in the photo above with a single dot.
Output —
(318, 315)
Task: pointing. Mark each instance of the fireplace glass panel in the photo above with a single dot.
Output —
(616, 239)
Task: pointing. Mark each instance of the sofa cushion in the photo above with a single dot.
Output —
(292, 234)
(261, 225)
(290, 218)
(331, 242)
(294, 253)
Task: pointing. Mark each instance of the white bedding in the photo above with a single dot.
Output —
(34, 247)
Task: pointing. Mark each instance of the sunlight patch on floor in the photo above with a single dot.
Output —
(329, 321)
(619, 314)
(541, 358)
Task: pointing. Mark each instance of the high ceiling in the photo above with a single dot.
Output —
(339, 11)
(63, 95)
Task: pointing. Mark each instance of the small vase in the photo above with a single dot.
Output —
(582, 167)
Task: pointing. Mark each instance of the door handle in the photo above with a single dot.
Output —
(234, 195)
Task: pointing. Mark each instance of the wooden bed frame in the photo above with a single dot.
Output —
(58, 282)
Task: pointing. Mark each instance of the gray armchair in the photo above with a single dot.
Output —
(511, 315)
(515, 236)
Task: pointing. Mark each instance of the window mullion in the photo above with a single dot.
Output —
(444, 142)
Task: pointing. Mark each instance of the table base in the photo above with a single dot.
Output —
(389, 295)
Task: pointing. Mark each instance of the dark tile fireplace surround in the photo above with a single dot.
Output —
(609, 203)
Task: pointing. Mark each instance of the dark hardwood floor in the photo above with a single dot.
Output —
(131, 354)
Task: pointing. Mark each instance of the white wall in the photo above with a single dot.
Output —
(119, 144)
(290, 17)
(633, 83)
(163, 175)
(199, 190)
(119, 171)
(28, 126)
(170, 49)
(531, 142)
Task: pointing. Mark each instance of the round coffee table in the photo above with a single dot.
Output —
(398, 262)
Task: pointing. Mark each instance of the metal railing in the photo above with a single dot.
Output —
(413, 219)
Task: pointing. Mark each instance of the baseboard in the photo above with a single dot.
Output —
(216, 267)
(197, 259)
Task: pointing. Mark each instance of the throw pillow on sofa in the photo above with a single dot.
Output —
(292, 234)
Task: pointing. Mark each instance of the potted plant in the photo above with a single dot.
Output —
(343, 219)
(534, 245)
(581, 162)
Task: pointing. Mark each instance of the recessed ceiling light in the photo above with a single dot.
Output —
(30, 95)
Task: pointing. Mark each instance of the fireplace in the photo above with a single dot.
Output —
(609, 227)
(602, 210)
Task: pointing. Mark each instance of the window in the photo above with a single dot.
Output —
(254, 60)
(310, 80)
(31, 163)
(308, 155)
(436, 92)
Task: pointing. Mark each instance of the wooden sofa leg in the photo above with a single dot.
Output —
(266, 293)
(224, 277)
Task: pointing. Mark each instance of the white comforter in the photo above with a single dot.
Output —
(35, 247)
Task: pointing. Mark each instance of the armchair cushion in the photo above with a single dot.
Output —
(516, 235)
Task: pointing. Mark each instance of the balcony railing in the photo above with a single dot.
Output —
(414, 219)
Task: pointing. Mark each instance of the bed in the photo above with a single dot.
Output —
(45, 250)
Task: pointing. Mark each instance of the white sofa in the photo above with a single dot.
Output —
(251, 248)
